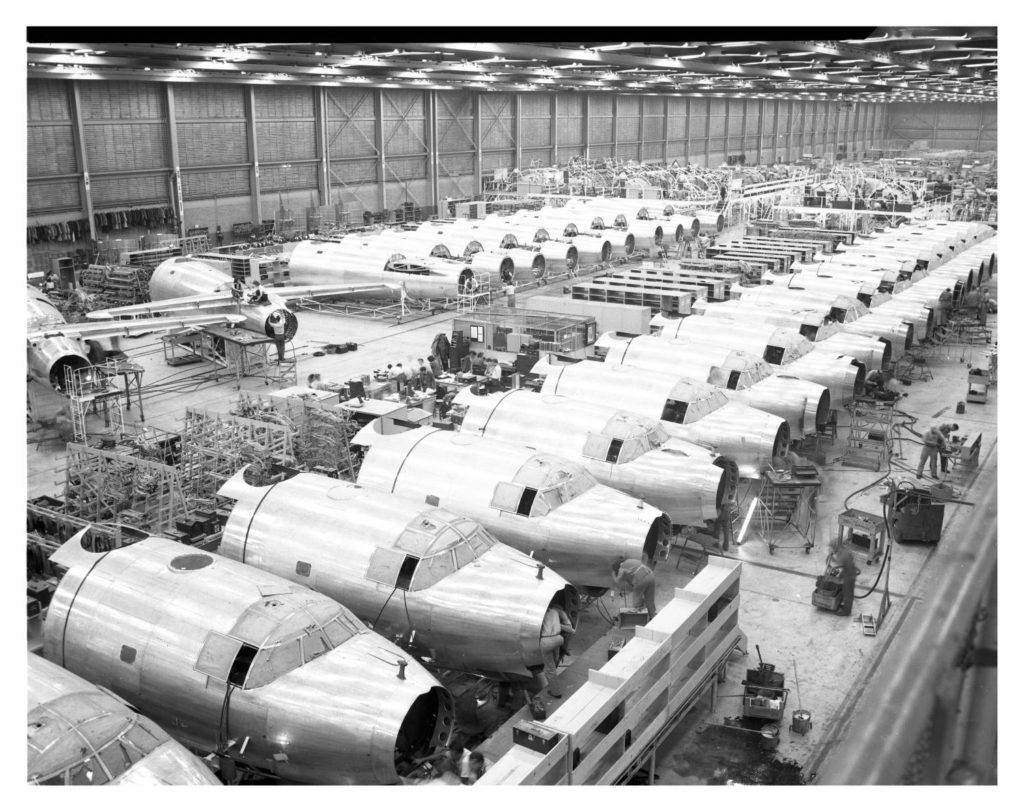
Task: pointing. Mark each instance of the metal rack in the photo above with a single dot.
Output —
(788, 504)
(870, 440)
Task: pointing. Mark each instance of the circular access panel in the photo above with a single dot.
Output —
(191, 561)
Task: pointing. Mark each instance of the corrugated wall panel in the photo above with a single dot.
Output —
(698, 124)
(404, 125)
(285, 140)
(130, 190)
(536, 157)
(654, 118)
(675, 151)
(629, 152)
(565, 154)
(600, 122)
(212, 142)
(498, 160)
(196, 101)
(51, 150)
(496, 110)
(753, 116)
(628, 122)
(283, 102)
(53, 195)
(48, 100)
(536, 124)
(413, 191)
(107, 101)
(570, 120)
(406, 168)
(355, 172)
(653, 151)
(294, 176)
(126, 146)
(717, 113)
(198, 184)
(454, 122)
(350, 123)
(676, 124)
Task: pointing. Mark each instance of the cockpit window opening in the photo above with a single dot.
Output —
(614, 447)
(526, 501)
(675, 411)
(241, 665)
(734, 379)
(406, 572)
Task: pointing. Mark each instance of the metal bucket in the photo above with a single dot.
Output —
(801, 722)
(769, 737)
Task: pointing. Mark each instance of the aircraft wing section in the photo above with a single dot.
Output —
(132, 327)
(193, 304)
(291, 292)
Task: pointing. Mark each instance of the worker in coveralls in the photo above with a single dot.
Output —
(935, 440)
(848, 574)
(555, 633)
(637, 577)
(278, 327)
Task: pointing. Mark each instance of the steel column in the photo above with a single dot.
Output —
(640, 129)
(254, 171)
(517, 124)
(856, 132)
(554, 128)
(760, 133)
(478, 139)
(78, 136)
(323, 181)
(775, 131)
(686, 133)
(664, 118)
(586, 127)
(378, 145)
(725, 139)
(707, 133)
(615, 125)
(172, 132)
(430, 128)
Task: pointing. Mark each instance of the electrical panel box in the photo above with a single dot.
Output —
(917, 519)
(535, 737)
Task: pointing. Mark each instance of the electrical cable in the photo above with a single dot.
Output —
(385, 606)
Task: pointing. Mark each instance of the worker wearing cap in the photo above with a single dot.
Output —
(555, 632)
(638, 578)
(935, 440)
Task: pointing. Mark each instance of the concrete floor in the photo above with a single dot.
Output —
(834, 659)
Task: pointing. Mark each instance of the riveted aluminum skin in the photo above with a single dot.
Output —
(750, 437)
(811, 322)
(676, 476)
(894, 329)
(527, 264)
(330, 263)
(776, 345)
(921, 316)
(624, 242)
(864, 291)
(140, 620)
(711, 222)
(800, 403)
(873, 352)
(484, 616)
(844, 376)
(647, 234)
(71, 722)
(844, 308)
(592, 247)
(579, 538)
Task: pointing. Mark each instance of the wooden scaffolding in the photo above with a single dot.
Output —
(215, 446)
(100, 486)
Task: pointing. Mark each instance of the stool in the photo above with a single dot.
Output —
(830, 428)
(919, 368)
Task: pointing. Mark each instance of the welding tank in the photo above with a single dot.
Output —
(743, 377)
(79, 734)
(542, 504)
(464, 599)
(231, 659)
(622, 450)
(688, 409)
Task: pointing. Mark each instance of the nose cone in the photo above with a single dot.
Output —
(487, 615)
(750, 437)
(589, 533)
(680, 478)
(348, 717)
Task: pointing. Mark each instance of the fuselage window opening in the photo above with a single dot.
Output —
(406, 572)
(526, 501)
(240, 667)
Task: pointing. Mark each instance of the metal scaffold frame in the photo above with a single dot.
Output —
(100, 485)
(870, 440)
(215, 446)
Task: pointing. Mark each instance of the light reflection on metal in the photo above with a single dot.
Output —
(542, 504)
(208, 647)
(622, 450)
(743, 377)
(687, 409)
(472, 603)
(81, 734)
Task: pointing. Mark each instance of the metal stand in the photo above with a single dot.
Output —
(788, 504)
(870, 440)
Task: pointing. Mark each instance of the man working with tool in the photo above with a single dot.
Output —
(935, 440)
(555, 632)
(848, 574)
(637, 577)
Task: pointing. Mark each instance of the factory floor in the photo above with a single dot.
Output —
(829, 654)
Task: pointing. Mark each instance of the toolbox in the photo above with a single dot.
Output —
(535, 737)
